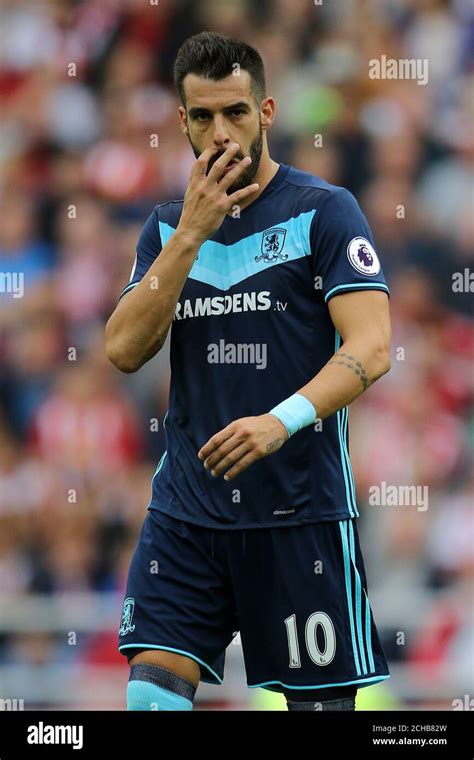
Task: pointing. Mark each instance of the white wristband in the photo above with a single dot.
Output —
(295, 412)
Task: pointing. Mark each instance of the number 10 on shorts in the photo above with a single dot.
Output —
(317, 656)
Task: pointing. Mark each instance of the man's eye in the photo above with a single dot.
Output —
(238, 112)
(201, 117)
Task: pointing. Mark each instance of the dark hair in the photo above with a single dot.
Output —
(213, 56)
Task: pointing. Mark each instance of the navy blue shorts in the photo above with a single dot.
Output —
(297, 595)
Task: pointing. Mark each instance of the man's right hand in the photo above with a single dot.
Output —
(206, 201)
(137, 329)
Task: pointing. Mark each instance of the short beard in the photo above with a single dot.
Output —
(248, 175)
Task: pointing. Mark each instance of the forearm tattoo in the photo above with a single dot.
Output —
(349, 361)
(275, 444)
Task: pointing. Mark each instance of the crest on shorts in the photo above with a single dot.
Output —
(127, 615)
(272, 244)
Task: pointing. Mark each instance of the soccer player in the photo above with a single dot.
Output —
(278, 309)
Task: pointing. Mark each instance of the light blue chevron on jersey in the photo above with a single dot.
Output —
(223, 266)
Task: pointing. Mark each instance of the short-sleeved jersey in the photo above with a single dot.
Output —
(251, 327)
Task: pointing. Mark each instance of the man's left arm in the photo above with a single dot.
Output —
(362, 319)
(344, 259)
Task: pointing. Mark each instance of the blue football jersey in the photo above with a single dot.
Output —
(251, 327)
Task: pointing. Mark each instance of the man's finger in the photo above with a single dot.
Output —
(230, 176)
(239, 195)
(200, 167)
(222, 451)
(214, 442)
(241, 465)
(230, 459)
(217, 169)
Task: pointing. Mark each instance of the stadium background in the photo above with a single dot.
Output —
(78, 440)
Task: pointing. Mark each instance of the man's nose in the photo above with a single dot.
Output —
(221, 136)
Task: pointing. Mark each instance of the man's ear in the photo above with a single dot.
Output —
(183, 119)
(267, 113)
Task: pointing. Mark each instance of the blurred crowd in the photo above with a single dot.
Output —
(84, 87)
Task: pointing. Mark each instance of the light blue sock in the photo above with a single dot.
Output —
(151, 687)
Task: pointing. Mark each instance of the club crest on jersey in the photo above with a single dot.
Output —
(362, 256)
(272, 244)
(127, 615)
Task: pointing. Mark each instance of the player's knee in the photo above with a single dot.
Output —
(176, 663)
(152, 687)
(337, 698)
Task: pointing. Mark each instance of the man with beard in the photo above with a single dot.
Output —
(251, 525)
